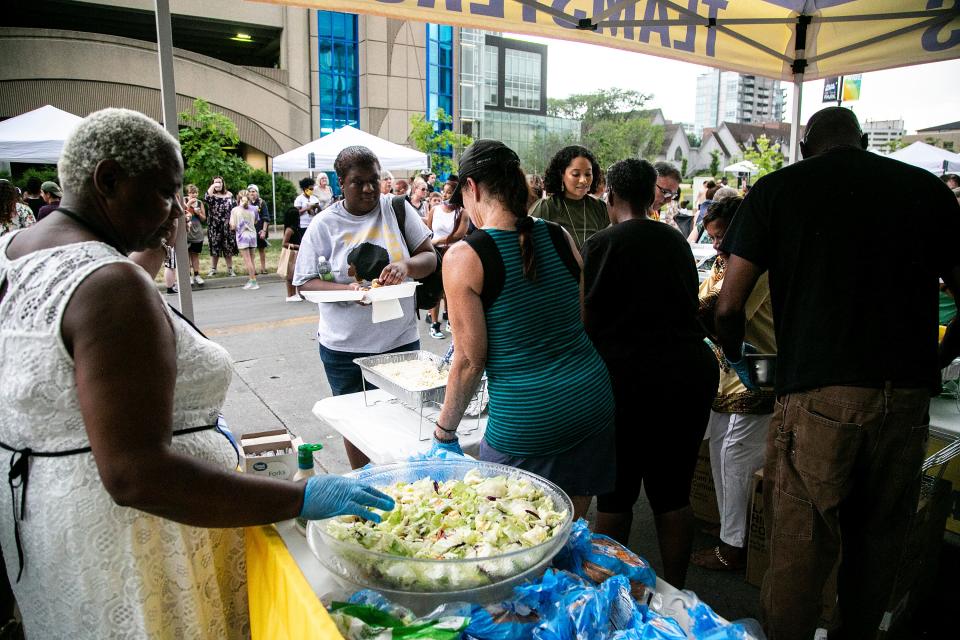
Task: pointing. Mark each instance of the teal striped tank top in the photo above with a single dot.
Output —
(549, 388)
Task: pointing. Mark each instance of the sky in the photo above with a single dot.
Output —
(923, 95)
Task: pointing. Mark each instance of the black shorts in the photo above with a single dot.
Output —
(195, 247)
(660, 425)
(583, 470)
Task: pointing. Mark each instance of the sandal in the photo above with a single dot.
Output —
(714, 560)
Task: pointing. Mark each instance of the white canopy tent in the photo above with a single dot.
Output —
(36, 136)
(392, 156)
(744, 166)
(926, 156)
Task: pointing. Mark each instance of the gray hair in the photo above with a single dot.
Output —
(137, 143)
(725, 192)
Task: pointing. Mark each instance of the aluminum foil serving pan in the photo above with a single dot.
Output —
(423, 583)
(408, 393)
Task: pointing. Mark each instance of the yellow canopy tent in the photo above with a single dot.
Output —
(751, 36)
(792, 40)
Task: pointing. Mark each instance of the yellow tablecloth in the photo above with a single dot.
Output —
(282, 604)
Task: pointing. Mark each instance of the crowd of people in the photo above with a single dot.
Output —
(609, 360)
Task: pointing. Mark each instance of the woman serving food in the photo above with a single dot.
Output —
(124, 502)
(514, 292)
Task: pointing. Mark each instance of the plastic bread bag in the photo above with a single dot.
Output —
(504, 621)
(598, 558)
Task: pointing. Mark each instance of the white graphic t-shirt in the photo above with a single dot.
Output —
(348, 326)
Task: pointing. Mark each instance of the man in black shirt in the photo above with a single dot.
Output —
(854, 283)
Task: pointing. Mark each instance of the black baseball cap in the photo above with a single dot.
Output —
(478, 158)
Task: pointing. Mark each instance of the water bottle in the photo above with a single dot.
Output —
(324, 270)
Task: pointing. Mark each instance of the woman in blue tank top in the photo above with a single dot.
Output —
(514, 290)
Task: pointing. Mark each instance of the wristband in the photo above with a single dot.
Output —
(445, 430)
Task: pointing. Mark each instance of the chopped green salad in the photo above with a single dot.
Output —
(476, 517)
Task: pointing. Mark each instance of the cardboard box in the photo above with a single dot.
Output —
(260, 457)
(703, 495)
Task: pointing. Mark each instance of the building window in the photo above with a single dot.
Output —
(337, 45)
(521, 79)
(491, 92)
(439, 70)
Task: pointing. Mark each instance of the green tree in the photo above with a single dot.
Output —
(894, 145)
(694, 139)
(683, 168)
(544, 146)
(765, 155)
(206, 140)
(286, 191)
(714, 162)
(42, 172)
(604, 104)
(612, 124)
(428, 137)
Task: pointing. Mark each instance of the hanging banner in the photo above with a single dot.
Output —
(831, 87)
(851, 88)
(749, 36)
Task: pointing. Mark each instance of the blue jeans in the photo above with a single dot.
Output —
(343, 375)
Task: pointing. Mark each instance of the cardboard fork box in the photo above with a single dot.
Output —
(270, 453)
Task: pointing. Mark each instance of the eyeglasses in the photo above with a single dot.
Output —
(667, 194)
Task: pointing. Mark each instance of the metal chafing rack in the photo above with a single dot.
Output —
(421, 401)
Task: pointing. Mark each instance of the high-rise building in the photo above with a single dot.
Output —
(881, 133)
(503, 92)
(727, 96)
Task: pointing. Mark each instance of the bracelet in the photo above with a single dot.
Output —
(445, 441)
(445, 430)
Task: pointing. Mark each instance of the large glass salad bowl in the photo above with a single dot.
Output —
(473, 579)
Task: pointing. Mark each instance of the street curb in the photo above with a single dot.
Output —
(228, 282)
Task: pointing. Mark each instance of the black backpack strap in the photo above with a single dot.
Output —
(400, 210)
(562, 246)
(494, 275)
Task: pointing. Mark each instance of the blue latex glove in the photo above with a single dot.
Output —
(450, 447)
(742, 368)
(327, 496)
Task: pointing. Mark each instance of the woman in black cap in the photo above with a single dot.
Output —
(514, 292)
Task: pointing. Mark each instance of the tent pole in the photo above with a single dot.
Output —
(168, 99)
(273, 186)
(795, 124)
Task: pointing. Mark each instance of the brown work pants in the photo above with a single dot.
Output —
(842, 477)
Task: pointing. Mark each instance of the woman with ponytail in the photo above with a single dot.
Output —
(514, 291)
(664, 376)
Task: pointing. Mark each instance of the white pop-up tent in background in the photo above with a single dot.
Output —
(393, 157)
(926, 156)
(36, 136)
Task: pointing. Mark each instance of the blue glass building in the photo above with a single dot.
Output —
(338, 50)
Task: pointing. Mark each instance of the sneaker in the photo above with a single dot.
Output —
(445, 317)
(448, 327)
(211, 273)
(247, 286)
(435, 331)
(173, 289)
(294, 298)
(232, 273)
(254, 285)
(198, 280)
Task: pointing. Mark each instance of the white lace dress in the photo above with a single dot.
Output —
(93, 569)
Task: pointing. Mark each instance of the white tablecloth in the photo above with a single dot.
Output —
(386, 431)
